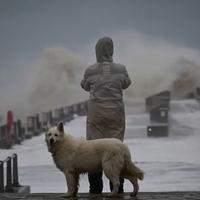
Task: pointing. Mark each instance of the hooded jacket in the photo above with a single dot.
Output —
(105, 80)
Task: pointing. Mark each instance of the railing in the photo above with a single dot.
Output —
(11, 174)
(34, 125)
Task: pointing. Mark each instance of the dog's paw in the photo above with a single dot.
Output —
(134, 194)
(112, 195)
(69, 195)
(69, 198)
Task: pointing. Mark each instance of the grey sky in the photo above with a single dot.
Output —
(28, 26)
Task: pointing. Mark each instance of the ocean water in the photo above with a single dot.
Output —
(170, 163)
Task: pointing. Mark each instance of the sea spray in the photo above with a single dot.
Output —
(54, 77)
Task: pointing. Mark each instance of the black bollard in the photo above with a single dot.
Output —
(1, 177)
(15, 171)
(9, 176)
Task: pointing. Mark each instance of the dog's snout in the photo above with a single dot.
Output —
(51, 141)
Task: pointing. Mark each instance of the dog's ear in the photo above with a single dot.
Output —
(48, 125)
(60, 127)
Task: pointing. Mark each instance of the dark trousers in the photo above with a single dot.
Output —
(96, 183)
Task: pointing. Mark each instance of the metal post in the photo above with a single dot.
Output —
(9, 176)
(15, 171)
(1, 177)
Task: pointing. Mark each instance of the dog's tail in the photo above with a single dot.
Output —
(134, 170)
(131, 167)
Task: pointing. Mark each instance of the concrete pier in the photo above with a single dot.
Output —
(85, 196)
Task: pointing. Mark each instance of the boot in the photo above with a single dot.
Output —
(96, 182)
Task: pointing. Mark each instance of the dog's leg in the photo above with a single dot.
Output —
(72, 183)
(133, 173)
(116, 183)
(114, 178)
(112, 165)
(135, 184)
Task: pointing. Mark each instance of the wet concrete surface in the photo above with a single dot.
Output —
(105, 196)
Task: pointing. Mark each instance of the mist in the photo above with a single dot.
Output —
(153, 64)
(56, 81)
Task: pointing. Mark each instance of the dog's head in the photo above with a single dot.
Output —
(54, 135)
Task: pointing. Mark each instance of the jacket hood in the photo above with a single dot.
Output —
(104, 50)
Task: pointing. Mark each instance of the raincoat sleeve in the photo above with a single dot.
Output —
(85, 83)
(126, 81)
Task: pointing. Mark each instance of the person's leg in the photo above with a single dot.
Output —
(96, 182)
(121, 188)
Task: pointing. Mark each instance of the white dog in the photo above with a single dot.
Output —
(75, 156)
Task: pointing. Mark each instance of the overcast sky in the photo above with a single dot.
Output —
(29, 26)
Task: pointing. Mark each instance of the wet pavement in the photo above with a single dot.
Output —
(105, 196)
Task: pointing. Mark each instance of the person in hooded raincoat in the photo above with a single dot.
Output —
(105, 80)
